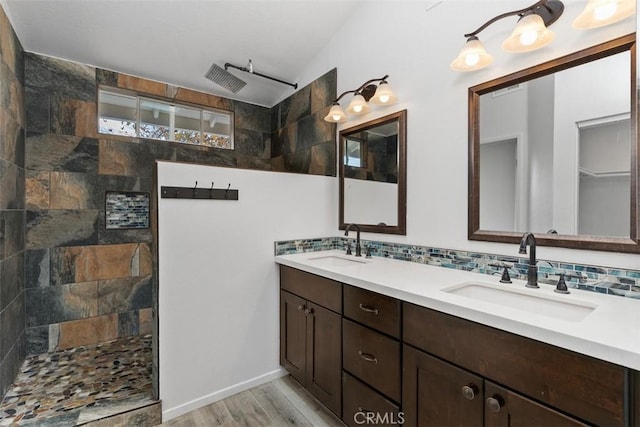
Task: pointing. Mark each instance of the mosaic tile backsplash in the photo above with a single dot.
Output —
(605, 280)
(127, 210)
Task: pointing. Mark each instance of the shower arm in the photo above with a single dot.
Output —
(246, 70)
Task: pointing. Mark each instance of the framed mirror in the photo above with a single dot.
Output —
(373, 175)
(553, 150)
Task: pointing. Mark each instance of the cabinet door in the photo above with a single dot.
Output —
(505, 408)
(293, 335)
(436, 393)
(324, 351)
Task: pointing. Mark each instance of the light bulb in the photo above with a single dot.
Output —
(471, 59)
(336, 117)
(384, 98)
(357, 108)
(605, 11)
(528, 38)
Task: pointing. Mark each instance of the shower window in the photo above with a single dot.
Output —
(135, 116)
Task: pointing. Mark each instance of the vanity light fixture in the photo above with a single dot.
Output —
(367, 93)
(530, 33)
(598, 13)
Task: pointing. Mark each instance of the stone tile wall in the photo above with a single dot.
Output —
(302, 141)
(12, 204)
(86, 283)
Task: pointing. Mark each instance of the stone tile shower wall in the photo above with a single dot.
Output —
(12, 206)
(86, 283)
(302, 141)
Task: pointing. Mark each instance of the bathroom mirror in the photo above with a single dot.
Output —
(553, 150)
(373, 176)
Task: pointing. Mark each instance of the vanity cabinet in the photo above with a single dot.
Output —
(310, 333)
(437, 393)
(542, 380)
(371, 356)
(362, 353)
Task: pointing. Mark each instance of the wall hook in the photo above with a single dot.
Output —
(211, 191)
(195, 187)
(226, 193)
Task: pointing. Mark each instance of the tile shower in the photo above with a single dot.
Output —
(77, 278)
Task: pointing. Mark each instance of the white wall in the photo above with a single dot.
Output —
(415, 47)
(370, 202)
(574, 95)
(218, 283)
(498, 185)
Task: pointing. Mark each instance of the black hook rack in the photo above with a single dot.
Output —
(199, 193)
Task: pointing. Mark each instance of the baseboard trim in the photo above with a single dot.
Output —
(170, 413)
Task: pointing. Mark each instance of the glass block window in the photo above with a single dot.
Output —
(126, 210)
(136, 116)
(117, 114)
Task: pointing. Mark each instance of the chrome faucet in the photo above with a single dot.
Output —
(532, 273)
(346, 233)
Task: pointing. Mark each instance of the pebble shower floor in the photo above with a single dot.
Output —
(82, 384)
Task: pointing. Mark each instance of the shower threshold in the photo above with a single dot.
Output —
(80, 385)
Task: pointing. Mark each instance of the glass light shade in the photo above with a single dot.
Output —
(598, 13)
(336, 115)
(472, 57)
(530, 34)
(384, 95)
(358, 105)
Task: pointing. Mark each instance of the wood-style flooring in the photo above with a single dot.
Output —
(282, 402)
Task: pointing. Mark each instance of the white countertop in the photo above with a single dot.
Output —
(610, 332)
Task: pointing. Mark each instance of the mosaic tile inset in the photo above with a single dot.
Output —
(127, 210)
(74, 386)
(613, 281)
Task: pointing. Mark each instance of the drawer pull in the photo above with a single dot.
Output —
(364, 410)
(369, 309)
(368, 357)
(469, 391)
(495, 403)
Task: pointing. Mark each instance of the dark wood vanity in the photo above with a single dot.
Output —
(361, 352)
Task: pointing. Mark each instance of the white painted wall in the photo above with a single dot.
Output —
(575, 93)
(370, 202)
(415, 47)
(498, 185)
(218, 284)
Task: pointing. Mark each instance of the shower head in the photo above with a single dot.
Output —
(222, 77)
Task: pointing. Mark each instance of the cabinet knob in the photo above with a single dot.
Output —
(308, 311)
(469, 391)
(368, 357)
(495, 403)
(300, 307)
(369, 309)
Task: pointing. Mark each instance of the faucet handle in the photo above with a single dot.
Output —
(561, 287)
(505, 276)
(348, 244)
(368, 252)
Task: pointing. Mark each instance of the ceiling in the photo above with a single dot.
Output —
(176, 41)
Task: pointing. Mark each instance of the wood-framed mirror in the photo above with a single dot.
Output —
(373, 175)
(553, 150)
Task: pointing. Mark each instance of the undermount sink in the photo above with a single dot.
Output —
(336, 261)
(560, 307)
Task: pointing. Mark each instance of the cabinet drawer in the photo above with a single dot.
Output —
(372, 357)
(358, 400)
(322, 291)
(588, 388)
(377, 311)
